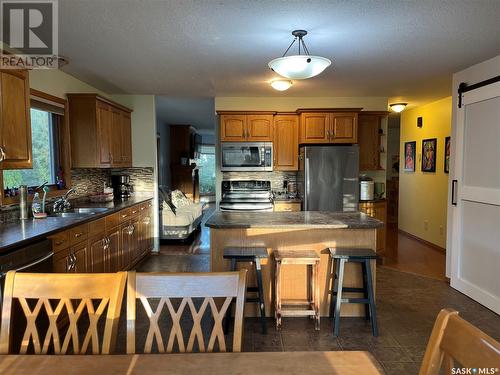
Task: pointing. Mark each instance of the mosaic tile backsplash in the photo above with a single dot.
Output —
(88, 181)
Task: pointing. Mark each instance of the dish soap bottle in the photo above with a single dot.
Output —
(36, 208)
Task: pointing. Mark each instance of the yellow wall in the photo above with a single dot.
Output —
(423, 196)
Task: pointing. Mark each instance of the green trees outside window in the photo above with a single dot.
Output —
(44, 154)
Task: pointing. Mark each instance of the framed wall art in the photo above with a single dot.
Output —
(410, 154)
(429, 155)
(447, 151)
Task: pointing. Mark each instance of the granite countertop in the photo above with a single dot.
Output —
(300, 219)
(23, 232)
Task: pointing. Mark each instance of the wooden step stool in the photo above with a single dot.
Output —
(306, 257)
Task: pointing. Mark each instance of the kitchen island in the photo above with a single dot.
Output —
(314, 230)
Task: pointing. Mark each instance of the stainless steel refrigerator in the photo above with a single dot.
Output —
(328, 178)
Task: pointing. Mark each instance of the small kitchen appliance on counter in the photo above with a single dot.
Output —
(366, 188)
(121, 186)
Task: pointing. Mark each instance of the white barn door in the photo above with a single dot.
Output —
(475, 200)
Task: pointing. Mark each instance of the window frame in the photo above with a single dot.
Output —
(63, 149)
(215, 181)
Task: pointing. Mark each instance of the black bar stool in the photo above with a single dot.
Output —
(340, 256)
(252, 255)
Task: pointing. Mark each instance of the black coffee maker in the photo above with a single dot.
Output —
(121, 186)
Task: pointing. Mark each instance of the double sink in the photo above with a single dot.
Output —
(80, 212)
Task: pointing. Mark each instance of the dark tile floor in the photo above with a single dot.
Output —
(407, 306)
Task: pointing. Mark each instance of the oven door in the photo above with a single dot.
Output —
(246, 157)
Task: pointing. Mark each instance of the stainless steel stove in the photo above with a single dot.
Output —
(252, 195)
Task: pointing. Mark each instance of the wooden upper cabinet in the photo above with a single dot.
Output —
(259, 128)
(100, 132)
(233, 128)
(246, 127)
(329, 127)
(369, 124)
(314, 127)
(126, 146)
(369, 142)
(116, 130)
(15, 125)
(104, 135)
(343, 128)
(286, 143)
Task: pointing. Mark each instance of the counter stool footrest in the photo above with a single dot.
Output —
(350, 290)
(355, 300)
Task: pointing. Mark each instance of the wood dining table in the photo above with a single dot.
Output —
(259, 363)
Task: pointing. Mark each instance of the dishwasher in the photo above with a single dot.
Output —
(35, 257)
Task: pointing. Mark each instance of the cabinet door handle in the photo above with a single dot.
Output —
(142, 208)
(453, 192)
(134, 212)
(124, 216)
(58, 243)
(2, 154)
(78, 234)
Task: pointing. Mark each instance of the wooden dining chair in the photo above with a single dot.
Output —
(170, 288)
(454, 342)
(62, 298)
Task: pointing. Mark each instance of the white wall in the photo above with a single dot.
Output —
(476, 73)
(58, 83)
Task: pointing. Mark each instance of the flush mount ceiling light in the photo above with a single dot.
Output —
(398, 107)
(281, 84)
(299, 66)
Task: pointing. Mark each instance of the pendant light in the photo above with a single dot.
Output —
(299, 66)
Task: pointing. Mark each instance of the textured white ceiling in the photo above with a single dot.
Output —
(400, 49)
(198, 112)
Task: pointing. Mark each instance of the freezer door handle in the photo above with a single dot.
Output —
(453, 192)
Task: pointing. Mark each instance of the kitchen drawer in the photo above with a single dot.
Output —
(125, 215)
(60, 241)
(97, 227)
(78, 234)
(135, 210)
(146, 205)
(113, 220)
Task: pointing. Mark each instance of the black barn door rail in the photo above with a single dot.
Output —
(464, 87)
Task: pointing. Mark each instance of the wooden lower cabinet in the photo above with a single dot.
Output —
(119, 246)
(135, 243)
(97, 253)
(72, 259)
(378, 210)
(287, 206)
(114, 261)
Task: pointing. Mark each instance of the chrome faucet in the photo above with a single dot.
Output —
(62, 203)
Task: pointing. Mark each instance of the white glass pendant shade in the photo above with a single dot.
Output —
(299, 66)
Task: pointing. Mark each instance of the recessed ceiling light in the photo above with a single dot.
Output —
(281, 84)
(299, 66)
(398, 107)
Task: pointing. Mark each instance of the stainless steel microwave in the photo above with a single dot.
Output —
(246, 156)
